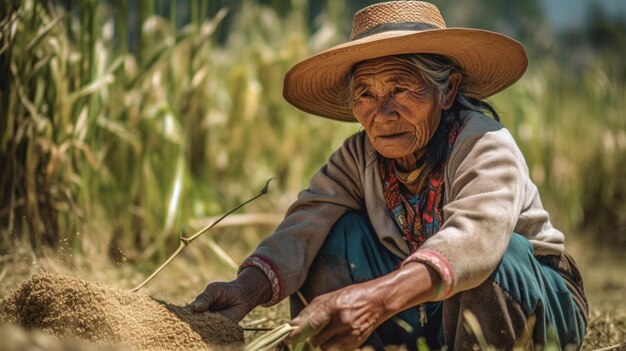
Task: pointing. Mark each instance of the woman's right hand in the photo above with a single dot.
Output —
(237, 298)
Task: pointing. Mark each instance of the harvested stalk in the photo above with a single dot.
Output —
(269, 341)
(256, 329)
(473, 326)
(186, 241)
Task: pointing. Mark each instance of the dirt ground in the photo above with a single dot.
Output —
(604, 274)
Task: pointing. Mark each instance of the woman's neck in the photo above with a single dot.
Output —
(410, 162)
(409, 171)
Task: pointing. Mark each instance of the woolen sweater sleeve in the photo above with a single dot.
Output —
(286, 255)
(485, 190)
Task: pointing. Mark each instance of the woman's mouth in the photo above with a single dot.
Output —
(391, 136)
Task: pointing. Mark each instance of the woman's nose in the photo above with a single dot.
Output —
(386, 110)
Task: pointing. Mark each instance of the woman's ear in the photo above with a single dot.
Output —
(453, 87)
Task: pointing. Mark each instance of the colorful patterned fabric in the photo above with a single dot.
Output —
(420, 215)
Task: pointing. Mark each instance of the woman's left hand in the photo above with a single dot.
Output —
(339, 320)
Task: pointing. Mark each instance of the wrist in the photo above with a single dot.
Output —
(255, 285)
(409, 286)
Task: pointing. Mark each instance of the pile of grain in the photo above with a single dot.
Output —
(15, 338)
(68, 307)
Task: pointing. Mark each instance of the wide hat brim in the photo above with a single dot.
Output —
(490, 62)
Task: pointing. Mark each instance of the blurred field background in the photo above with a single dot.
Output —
(126, 124)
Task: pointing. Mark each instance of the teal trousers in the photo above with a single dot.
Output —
(524, 302)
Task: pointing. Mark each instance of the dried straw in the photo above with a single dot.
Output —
(269, 341)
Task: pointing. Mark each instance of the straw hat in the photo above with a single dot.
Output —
(489, 60)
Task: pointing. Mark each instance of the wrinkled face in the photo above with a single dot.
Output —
(397, 108)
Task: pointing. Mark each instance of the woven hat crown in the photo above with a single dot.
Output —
(377, 15)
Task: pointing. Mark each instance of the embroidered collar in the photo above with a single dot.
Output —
(419, 216)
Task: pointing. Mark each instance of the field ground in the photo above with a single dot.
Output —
(605, 284)
(182, 280)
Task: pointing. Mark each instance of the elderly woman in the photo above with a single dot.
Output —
(428, 215)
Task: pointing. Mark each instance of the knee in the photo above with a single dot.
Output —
(518, 253)
(517, 273)
(518, 259)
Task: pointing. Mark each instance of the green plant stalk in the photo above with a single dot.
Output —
(195, 14)
(122, 25)
(186, 241)
(173, 17)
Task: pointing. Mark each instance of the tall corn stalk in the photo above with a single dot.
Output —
(117, 148)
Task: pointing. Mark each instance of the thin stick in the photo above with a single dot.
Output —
(186, 241)
(302, 298)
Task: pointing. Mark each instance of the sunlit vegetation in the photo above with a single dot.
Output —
(115, 141)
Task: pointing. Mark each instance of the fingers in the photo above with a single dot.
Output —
(334, 322)
(224, 298)
(307, 324)
(341, 335)
(202, 302)
(216, 295)
(299, 334)
(328, 330)
(329, 336)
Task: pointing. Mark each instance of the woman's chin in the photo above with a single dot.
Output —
(395, 148)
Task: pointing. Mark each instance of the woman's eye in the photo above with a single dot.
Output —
(398, 90)
(365, 95)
